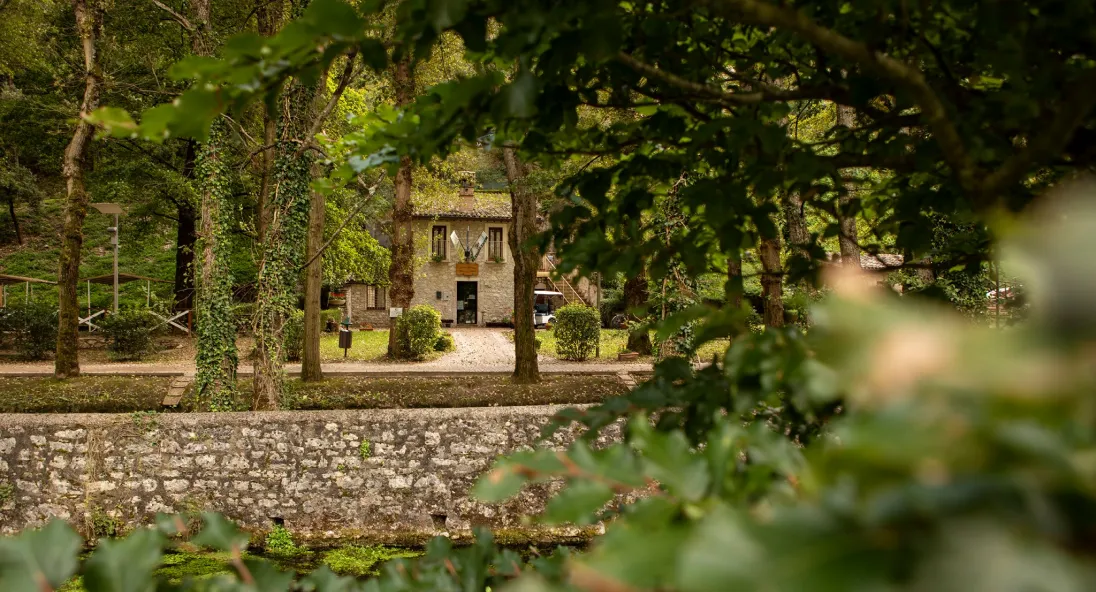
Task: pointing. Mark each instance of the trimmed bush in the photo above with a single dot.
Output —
(577, 330)
(129, 333)
(417, 331)
(444, 342)
(293, 336)
(32, 328)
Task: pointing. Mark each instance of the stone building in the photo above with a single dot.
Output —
(463, 266)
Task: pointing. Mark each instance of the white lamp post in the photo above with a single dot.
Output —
(115, 209)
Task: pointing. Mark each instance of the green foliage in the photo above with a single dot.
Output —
(444, 342)
(359, 561)
(130, 334)
(293, 335)
(215, 377)
(418, 329)
(364, 450)
(577, 331)
(32, 328)
(279, 541)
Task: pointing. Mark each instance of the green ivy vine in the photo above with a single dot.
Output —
(217, 358)
(282, 256)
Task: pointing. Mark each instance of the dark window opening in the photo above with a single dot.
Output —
(374, 297)
(437, 242)
(494, 244)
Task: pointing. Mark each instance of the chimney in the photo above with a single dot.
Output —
(467, 191)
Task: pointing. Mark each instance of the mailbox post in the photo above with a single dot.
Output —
(346, 336)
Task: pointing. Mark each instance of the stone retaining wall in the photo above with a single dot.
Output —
(378, 475)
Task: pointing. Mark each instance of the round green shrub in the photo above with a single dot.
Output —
(293, 335)
(32, 328)
(129, 333)
(444, 343)
(417, 331)
(577, 330)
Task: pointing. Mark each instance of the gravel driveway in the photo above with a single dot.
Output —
(478, 350)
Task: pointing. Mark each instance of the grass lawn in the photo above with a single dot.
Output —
(368, 346)
(614, 341)
(114, 394)
(87, 394)
(363, 392)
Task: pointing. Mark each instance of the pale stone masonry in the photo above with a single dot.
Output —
(370, 475)
(466, 291)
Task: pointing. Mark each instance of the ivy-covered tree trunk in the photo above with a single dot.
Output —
(850, 248)
(268, 17)
(217, 359)
(281, 257)
(311, 369)
(772, 289)
(88, 23)
(523, 207)
(635, 299)
(401, 288)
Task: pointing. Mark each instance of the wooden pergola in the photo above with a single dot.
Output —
(10, 280)
(125, 278)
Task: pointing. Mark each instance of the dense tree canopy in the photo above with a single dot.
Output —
(740, 143)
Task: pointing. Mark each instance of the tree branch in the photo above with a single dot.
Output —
(767, 94)
(182, 20)
(372, 190)
(1071, 113)
(344, 81)
(910, 78)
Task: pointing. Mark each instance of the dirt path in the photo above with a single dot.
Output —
(478, 350)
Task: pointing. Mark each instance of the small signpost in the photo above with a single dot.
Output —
(346, 336)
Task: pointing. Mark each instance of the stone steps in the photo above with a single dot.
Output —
(177, 389)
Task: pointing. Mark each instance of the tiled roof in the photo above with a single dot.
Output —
(488, 205)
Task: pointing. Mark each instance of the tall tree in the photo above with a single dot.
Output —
(772, 281)
(268, 16)
(523, 208)
(846, 219)
(636, 297)
(311, 369)
(217, 358)
(401, 286)
(89, 19)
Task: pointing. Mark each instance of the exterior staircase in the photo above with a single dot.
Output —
(560, 284)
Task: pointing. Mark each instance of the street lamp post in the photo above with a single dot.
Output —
(116, 210)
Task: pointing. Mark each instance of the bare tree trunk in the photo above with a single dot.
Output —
(635, 298)
(735, 289)
(798, 235)
(311, 369)
(401, 282)
(772, 289)
(14, 219)
(88, 23)
(185, 237)
(850, 249)
(523, 207)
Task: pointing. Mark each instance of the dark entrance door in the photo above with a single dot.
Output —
(466, 302)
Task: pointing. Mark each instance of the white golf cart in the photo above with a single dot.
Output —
(544, 306)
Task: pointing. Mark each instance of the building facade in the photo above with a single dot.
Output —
(463, 264)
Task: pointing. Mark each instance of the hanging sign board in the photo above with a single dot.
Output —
(468, 269)
(394, 312)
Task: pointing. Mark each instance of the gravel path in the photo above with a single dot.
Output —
(478, 350)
